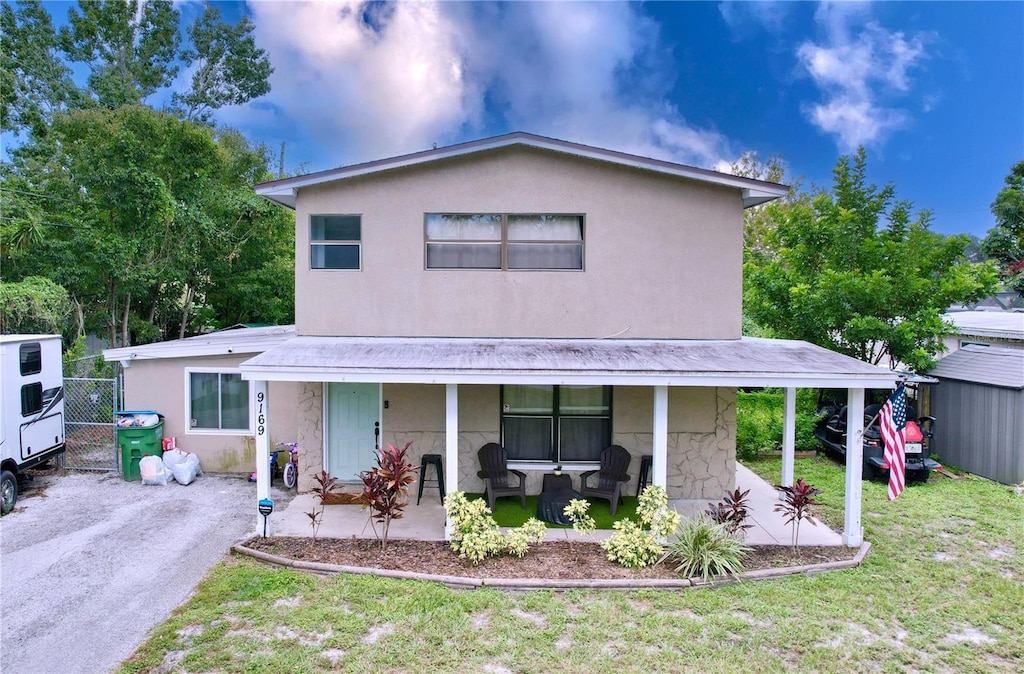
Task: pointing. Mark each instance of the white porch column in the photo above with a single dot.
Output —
(788, 436)
(853, 533)
(451, 445)
(660, 456)
(262, 453)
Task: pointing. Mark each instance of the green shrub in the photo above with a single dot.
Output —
(705, 548)
(759, 422)
(476, 536)
(631, 545)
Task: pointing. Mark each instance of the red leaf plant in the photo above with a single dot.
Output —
(797, 505)
(386, 488)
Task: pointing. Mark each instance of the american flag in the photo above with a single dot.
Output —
(893, 421)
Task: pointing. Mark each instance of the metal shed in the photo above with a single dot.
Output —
(979, 406)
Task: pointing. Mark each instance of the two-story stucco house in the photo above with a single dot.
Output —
(552, 297)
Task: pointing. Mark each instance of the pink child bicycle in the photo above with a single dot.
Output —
(290, 470)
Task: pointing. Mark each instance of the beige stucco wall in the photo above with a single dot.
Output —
(662, 255)
(160, 385)
(701, 443)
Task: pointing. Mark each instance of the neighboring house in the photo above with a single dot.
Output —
(979, 407)
(553, 297)
(197, 385)
(986, 328)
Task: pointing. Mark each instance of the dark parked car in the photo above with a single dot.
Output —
(831, 431)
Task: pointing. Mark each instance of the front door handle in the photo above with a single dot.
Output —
(376, 435)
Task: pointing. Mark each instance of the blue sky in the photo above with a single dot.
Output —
(934, 91)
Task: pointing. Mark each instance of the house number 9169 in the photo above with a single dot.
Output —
(261, 418)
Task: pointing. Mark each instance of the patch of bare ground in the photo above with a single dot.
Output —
(551, 559)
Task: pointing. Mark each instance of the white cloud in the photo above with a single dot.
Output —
(415, 74)
(859, 72)
(768, 14)
(365, 92)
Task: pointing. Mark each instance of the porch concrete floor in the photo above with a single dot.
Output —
(426, 521)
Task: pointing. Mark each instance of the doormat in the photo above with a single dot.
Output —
(342, 498)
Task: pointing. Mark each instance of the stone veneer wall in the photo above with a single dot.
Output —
(701, 438)
(310, 434)
(701, 442)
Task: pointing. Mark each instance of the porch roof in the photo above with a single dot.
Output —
(643, 362)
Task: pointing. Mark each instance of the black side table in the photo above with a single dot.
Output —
(556, 492)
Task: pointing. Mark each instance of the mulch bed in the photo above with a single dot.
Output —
(551, 559)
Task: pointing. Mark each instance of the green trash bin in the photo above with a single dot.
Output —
(136, 442)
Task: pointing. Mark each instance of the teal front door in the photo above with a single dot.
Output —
(353, 429)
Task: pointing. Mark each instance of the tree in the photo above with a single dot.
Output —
(34, 80)
(148, 219)
(163, 220)
(757, 221)
(841, 279)
(130, 49)
(1005, 242)
(229, 68)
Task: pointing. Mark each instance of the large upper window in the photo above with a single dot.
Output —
(334, 241)
(556, 423)
(504, 241)
(218, 401)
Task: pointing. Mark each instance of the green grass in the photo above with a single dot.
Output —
(941, 591)
(508, 512)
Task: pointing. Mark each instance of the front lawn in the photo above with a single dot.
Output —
(942, 590)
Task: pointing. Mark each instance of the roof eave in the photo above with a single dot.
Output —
(564, 378)
(754, 191)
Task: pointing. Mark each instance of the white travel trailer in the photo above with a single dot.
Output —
(31, 408)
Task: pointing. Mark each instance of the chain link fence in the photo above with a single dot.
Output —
(89, 406)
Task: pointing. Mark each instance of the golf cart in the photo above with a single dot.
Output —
(831, 429)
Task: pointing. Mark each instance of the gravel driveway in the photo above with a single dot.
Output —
(90, 563)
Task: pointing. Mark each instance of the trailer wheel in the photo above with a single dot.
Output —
(8, 492)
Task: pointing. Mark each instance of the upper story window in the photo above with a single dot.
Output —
(504, 241)
(334, 241)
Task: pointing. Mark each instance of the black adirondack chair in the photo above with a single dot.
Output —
(499, 479)
(611, 477)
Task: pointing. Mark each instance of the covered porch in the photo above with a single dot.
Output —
(426, 521)
(655, 370)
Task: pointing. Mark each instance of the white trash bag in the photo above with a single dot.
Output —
(153, 471)
(183, 466)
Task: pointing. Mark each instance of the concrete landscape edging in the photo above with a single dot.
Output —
(557, 583)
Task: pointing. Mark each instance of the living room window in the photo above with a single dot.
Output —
(335, 241)
(564, 424)
(504, 241)
(218, 401)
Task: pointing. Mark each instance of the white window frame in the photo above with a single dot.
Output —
(189, 371)
(335, 242)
